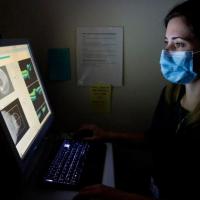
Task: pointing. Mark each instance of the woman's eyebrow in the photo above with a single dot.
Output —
(178, 37)
(182, 38)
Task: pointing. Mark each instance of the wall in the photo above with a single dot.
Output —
(52, 23)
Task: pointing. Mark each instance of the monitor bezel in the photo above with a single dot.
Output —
(25, 164)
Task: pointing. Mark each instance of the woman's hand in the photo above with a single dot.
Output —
(96, 191)
(98, 133)
(102, 192)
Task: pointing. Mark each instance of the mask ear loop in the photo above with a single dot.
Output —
(195, 52)
(198, 74)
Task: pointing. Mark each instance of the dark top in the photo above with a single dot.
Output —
(176, 152)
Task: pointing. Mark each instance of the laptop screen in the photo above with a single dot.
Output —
(24, 107)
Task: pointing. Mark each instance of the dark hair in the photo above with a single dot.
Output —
(191, 13)
(190, 10)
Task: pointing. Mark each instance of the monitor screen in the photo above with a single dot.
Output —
(24, 107)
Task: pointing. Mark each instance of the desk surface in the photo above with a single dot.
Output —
(40, 194)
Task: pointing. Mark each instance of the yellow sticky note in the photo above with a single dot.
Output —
(100, 97)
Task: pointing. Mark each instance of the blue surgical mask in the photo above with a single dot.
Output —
(177, 66)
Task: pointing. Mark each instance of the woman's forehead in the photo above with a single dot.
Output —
(177, 27)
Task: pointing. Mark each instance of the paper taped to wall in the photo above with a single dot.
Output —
(99, 55)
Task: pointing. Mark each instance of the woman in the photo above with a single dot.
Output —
(175, 131)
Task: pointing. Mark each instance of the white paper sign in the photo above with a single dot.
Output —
(99, 55)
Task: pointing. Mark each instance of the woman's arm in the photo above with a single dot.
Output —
(101, 134)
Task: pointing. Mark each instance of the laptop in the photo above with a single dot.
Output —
(74, 164)
(26, 118)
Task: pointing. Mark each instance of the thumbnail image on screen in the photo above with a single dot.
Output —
(15, 120)
(34, 88)
(6, 86)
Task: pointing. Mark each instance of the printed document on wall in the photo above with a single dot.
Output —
(99, 55)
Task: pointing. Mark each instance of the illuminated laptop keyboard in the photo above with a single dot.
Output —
(67, 166)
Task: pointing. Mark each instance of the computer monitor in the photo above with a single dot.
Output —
(25, 112)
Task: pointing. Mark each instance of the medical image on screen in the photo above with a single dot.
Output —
(38, 100)
(6, 86)
(34, 88)
(28, 72)
(15, 120)
(42, 112)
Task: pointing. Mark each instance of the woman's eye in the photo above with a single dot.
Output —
(179, 45)
(165, 43)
